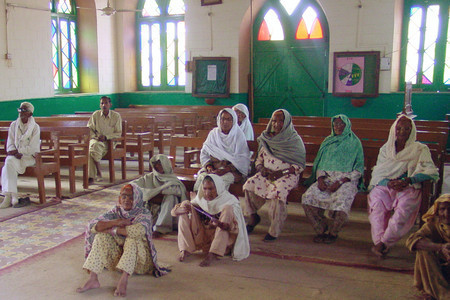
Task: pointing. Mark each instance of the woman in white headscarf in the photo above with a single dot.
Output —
(402, 164)
(162, 187)
(23, 142)
(225, 151)
(212, 222)
(244, 121)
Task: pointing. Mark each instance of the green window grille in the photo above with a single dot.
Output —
(425, 60)
(161, 45)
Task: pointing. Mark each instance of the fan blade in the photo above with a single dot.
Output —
(80, 7)
(128, 10)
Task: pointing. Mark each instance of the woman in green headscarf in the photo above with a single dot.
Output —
(336, 176)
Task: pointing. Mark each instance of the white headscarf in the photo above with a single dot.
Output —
(241, 249)
(415, 158)
(231, 147)
(246, 125)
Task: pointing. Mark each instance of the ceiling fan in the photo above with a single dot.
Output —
(109, 10)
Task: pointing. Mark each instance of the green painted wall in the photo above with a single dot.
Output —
(427, 106)
(175, 99)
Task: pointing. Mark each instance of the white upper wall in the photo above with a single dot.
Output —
(211, 31)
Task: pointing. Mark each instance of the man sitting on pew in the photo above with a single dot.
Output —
(23, 142)
(105, 124)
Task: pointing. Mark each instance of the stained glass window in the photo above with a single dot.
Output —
(64, 46)
(309, 26)
(271, 29)
(425, 58)
(162, 53)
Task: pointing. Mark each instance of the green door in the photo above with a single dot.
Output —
(289, 72)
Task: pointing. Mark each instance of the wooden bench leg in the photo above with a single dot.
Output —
(150, 155)
(41, 188)
(112, 175)
(140, 163)
(58, 184)
(85, 177)
(72, 179)
(124, 167)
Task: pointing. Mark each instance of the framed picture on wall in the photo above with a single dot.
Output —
(211, 2)
(356, 74)
(211, 77)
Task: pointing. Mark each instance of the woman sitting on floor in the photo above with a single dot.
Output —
(401, 165)
(163, 190)
(432, 244)
(279, 163)
(212, 222)
(225, 151)
(121, 239)
(336, 175)
(244, 121)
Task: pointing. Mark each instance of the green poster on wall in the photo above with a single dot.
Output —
(211, 77)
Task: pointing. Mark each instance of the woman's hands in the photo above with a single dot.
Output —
(221, 225)
(273, 175)
(399, 184)
(332, 187)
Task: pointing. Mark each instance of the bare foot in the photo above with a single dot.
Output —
(92, 283)
(183, 255)
(121, 289)
(208, 259)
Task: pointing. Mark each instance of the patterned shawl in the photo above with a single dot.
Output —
(246, 125)
(415, 158)
(343, 153)
(138, 214)
(287, 145)
(241, 249)
(153, 183)
(231, 147)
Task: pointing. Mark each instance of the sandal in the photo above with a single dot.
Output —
(268, 238)
(251, 227)
(22, 202)
(330, 239)
(319, 238)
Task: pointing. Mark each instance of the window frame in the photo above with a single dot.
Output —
(73, 17)
(162, 20)
(438, 84)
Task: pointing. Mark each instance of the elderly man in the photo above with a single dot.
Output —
(432, 246)
(23, 143)
(105, 124)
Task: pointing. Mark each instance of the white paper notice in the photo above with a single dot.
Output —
(212, 72)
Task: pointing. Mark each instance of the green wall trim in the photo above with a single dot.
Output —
(427, 106)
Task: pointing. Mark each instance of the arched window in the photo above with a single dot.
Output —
(425, 58)
(161, 45)
(64, 46)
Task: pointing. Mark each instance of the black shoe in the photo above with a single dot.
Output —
(251, 227)
(269, 238)
(22, 202)
(330, 239)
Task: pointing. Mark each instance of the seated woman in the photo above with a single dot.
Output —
(279, 163)
(212, 222)
(336, 174)
(225, 151)
(395, 185)
(244, 121)
(432, 243)
(121, 239)
(161, 189)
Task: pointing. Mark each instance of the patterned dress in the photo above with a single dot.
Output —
(278, 189)
(341, 200)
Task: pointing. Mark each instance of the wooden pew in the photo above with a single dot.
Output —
(47, 162)
(140, 139)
